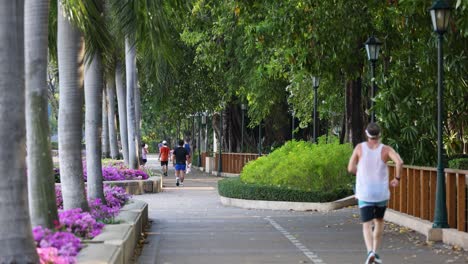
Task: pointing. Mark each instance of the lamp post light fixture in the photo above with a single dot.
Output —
(243, 108)
(440, 14)
(373, 47)
(315, 84)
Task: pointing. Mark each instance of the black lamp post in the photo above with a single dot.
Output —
(315, 84)
(243, 108)
(373, 47)
(203, 121)
(199, 139)
(293, 113)
(440, 14)
(220, 164)
(260, 139)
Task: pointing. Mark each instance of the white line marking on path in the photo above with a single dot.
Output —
(311, 255)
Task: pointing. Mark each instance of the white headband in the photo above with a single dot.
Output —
(371, 136)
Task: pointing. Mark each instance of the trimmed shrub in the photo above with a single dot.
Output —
(459, 164)
(303, 166)
(235, 188)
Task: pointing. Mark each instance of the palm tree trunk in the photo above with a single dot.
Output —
(42, 205)
(70, 47)
(122, 105)
(93, 126)
(16, 240)
(105, 125)
(114, 150)
(137, 116)
(130, 61)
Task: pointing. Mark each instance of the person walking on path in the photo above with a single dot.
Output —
(179, 160)
(164, 156)
(144, 153)
(189, 158)
(369, 163)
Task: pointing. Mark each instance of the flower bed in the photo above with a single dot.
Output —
(113, 172)
(62, 244)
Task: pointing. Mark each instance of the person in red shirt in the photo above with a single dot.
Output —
(164, 157)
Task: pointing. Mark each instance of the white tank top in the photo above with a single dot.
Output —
(372, 175)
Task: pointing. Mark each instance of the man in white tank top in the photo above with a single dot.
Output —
(369, 163)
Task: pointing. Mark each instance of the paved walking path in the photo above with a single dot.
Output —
(191, 226)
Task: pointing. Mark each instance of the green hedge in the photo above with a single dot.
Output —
(459, 164)
(235, 188)
(303, 166)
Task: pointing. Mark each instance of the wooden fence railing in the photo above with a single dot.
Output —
(233, 162)
(416, 194)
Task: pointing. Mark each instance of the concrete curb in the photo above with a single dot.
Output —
(137, 187)
(295, 206)
(449, 236)
(116, 244)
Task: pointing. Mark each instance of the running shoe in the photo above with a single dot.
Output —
(377, 259)
(177, 182)
(370, 258)
(181, 184)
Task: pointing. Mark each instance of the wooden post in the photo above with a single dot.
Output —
(451, 189)
(425, 194)
(409, 191)
(403, 193)
(416, 192)
(433, 182)
(461, 202)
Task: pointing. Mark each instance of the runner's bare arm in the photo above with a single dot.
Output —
(395, 157)
(352, 165)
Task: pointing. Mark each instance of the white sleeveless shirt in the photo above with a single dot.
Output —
(372, 175)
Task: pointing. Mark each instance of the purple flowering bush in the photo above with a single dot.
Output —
(62, 244)
(66, 244)
(80, 223)
(115, 196)
(102, 212)
(115, 172)
(51, 255)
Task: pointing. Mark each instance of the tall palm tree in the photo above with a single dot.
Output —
(93, 125)
(16, 241)
(105, 125)
(42, 205)
(114, 151)
(70, 49)
(122, 105)
(130, 62)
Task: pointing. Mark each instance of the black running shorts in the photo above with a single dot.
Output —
(372, 212)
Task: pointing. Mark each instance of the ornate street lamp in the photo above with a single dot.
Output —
(373, 47)
(315, 84)
(243, 108)
(440, 14)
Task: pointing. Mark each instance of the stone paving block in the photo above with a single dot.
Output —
(100, 254)
(121, 235)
